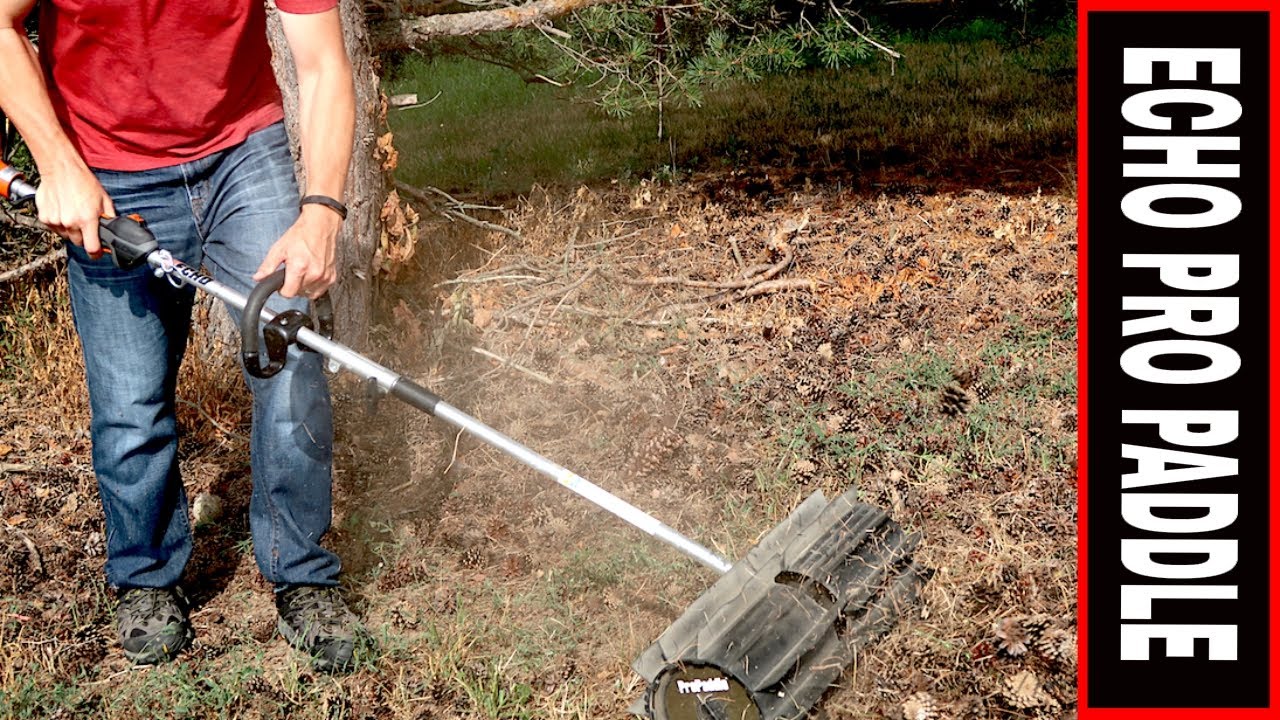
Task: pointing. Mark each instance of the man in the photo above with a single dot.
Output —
(169, 109)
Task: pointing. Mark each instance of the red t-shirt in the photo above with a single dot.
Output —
(142, 84)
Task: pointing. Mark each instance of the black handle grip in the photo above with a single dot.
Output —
(127, 239)
(249, 327)
(283, 329)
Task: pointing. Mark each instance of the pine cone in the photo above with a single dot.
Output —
(1011, 636)
(205, 651)
(544, 359)
(1058, 645)
(256, 685)
(1036, 625)
(473, 557)
(920, 706)
(541, 516)
(835, 423)
(94, 544)
(656, 452)
(814, 387)
(804, 471)
(262, 690)
(955, 400)
(983, 391)
(1051, 299)
(1024, 692)
(86, 651)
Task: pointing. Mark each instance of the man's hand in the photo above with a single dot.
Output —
(71, 201)
(308, 251)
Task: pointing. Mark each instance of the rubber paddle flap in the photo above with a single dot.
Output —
(127, 239)
(768, 639)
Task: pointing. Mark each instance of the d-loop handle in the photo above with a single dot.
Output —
(281, 331)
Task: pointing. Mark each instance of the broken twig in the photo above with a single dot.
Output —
(32, 550)
(454, 208)
(50, 258)
(505, 362)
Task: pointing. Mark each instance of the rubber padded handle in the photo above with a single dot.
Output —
(249, 326)
(127, 239)
(281, 331)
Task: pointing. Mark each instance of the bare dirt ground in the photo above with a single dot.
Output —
(709, 354)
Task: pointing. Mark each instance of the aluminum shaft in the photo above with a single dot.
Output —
(388, 381)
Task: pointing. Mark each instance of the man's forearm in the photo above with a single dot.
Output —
(25, 99)
(326, 121)
(327, 106)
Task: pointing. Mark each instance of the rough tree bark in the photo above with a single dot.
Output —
(366, 186)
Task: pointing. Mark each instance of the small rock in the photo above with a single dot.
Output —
(206, 509)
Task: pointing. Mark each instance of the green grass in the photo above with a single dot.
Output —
(978, 105)
(29, 698)
(907, 387)
(489, 131)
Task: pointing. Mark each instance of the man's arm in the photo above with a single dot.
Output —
(70, 200)
(326, 123)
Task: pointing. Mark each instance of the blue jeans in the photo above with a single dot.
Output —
(223, 212)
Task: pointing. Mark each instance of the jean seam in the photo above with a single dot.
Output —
(192, 202)
(274, 550)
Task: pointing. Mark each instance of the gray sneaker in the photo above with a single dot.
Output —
(316, 620)
(152, 624)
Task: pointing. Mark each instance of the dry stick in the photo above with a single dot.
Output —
(737, 256)
(570, 289)
(888, 51)
(538, 297)
(761, 288)
(406, 485)
(454, 457)
(524, 341)
(716, 299)
(771, 271)
(750, 278)
(15, 468)
(49, 258)
(514, 365)
(458, 215)
(455, 202)
(454, 212)
(205, 414)
(481, 279)
(25, 221)
(32, 550)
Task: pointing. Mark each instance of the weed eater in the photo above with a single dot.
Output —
(764, 642)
